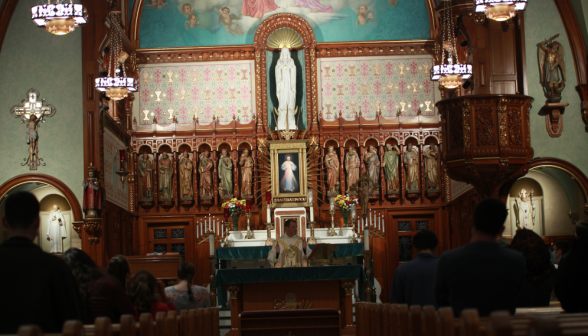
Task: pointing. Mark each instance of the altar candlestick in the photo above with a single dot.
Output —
(209, 222)
(380, 223)
(211, 243)
(383, 225)
(311, 213)
(366, 239)
(197, 232)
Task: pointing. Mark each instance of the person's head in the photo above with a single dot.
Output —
(84, 270)
(425, 241)
(226, 10)
(291, 227)
(224, 152)
(285, 53)
(186, 271)
(363, 8)
(331, 149)
(21, 216)
(389, 147)
(193, 20)
(489, 216)
(560, 249)
(187, 8)
(409, 147)
(581, 229)
(118, 268)
(536, 254)
(352, 150)
(370, 15)
(372, 148)
(143, 291)
(361, 18)
(288, 158)
(55, 207)
(160, 2)
(503, 242)
(246, 152)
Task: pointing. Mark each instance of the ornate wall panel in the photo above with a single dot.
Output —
(351, 85)
(217, 90)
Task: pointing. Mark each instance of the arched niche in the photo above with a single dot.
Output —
(164, 148)
(351, 142)
(145, 149)
(260, 43)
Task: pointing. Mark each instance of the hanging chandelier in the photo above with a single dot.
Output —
(450, 73)
(116, 84)
(500, 10)
(60, 17)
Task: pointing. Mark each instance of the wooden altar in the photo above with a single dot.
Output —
(329, 287)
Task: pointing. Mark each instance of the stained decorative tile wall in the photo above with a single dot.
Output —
(392, 84)
(221, 90)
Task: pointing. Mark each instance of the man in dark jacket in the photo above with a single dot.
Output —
(38, 288)
(572, 276)
(413, 281)
(481, 274)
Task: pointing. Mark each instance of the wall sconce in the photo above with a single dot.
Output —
(122, 172)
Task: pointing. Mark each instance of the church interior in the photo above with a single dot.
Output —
(201, 130)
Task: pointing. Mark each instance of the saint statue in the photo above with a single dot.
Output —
(524, 210)
(552, 63)
(431, 156)
(364, 188)
(246, 163)
(352, 164)
(411, 163)
(332, 165)
(372, 163)
(186, 191)
(286, 90)
(390, 165)
(205, 169)
(290, 250)
(146, 176)
(288, 183)
(225, 175)
(56, 230)
(92, 194)
(165, 177)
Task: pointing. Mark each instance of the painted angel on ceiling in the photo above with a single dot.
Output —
(552, 68)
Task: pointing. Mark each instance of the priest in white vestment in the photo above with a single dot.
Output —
(286, 90)
(56, 230)
(290, 250)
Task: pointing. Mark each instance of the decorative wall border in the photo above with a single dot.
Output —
(375, 48)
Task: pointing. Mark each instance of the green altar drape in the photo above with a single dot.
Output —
(261, 252)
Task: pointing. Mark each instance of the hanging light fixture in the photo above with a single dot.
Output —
(60, 17)
(500, 10)
(116, 84)
(450, 73)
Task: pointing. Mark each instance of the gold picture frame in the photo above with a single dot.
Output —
(289, 185)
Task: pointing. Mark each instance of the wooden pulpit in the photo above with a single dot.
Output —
(164, 267)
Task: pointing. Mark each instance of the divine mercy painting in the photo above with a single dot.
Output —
(289, 173)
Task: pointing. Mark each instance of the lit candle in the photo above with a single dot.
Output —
(268, 200)
(366, 239)
(310, 199)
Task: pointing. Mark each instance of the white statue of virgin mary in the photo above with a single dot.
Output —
(286, 90)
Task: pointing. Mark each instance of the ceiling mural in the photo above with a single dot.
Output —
(186, 23)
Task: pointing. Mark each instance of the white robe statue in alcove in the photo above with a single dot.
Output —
(286, 90)
(524, 211)
(56, 230)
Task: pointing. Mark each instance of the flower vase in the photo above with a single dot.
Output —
(235, 213)
(345, 218)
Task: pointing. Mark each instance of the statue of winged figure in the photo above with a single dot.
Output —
(553, 68)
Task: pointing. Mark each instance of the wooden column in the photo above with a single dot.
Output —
(213, 155)
(343, 185)
(347, 306)
(196, 192)
(236, 308)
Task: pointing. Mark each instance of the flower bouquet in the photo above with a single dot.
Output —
(344, 205)
(234, 208)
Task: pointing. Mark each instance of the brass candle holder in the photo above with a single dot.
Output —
(312, 239)
(353, 238)
(249, 234)
(226, 241)
(332, 230)
(269, 241)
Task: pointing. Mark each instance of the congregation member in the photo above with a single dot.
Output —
(102, 296)
(38, 287)
(481, 274)
(572, 275)
(148, 294)
(185, 295)
(560, 249)
(413, 280)
(118, 267)
(540, 273)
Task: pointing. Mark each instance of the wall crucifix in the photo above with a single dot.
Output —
(32, 112)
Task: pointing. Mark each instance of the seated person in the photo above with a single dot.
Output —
(148, 294)
(294, 248)
(102, 296)
(185, 295)
(119, 268)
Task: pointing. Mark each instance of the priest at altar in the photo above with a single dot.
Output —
(290, 250)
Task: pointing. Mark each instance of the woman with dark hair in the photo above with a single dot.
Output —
(540, 273)
(118, 268)
(148, 295)
(186, 295)
(102, 295)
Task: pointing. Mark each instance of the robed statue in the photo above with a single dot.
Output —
(225, 175)
(56, 230)
(332, 166)
(352, 164)
(390, 165)
(286, 90)
(553, 68)
(92, 194)
(372, 164)
(165, 171)
(524, 211)
(431, 157)
(246, 163)
(186, 167)
(205, 169)
(411, 164)
(146, 176)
